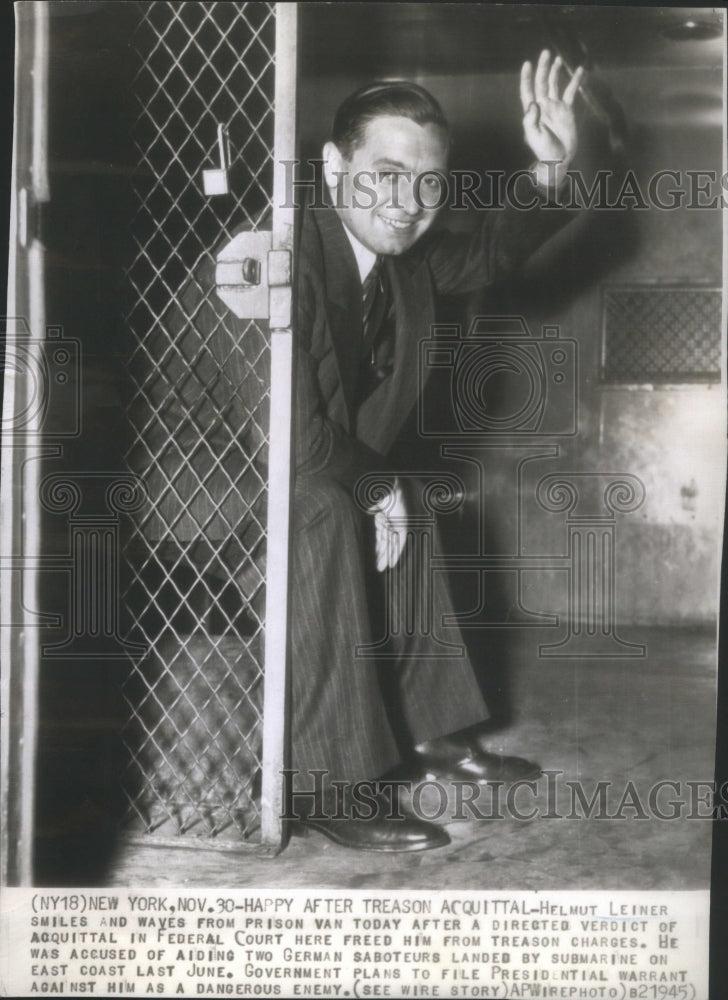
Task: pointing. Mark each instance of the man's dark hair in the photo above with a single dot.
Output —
(400, 98)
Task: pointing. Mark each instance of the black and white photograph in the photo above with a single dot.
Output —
(362, 499)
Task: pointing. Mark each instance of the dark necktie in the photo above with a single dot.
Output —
(377, 352)
(373, 302)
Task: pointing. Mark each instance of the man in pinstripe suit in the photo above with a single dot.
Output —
(356, 382)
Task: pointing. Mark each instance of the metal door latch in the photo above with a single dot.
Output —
(253, 280)
(217, 181)
(251, 271)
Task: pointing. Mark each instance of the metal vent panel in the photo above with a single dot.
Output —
(664, 334)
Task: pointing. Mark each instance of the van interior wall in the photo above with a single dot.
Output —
(671, 437)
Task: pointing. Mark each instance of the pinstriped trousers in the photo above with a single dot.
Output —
(343, 703)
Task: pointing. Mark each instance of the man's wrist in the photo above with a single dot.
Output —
(549, 175)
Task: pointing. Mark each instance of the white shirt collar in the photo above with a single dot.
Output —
(364, 257)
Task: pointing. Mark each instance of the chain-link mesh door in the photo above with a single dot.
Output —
(215, 80)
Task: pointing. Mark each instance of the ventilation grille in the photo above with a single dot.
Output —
(661, 334)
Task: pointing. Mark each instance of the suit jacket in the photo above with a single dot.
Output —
(203, 410)
(334, 435)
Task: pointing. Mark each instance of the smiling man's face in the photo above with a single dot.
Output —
(377, 193)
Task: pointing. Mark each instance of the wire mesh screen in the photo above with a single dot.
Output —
(659, 334)
(199, 419)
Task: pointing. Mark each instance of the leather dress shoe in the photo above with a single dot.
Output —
(383, 833)
(475, 765)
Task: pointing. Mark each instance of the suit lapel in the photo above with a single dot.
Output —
(343, 295)
(411, 295)
(383, 415)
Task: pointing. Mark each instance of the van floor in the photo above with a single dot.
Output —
(630, 723)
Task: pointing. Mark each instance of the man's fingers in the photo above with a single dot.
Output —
(542, 75)
(389, 542)
(388, 552)
(531, 118)
(390, 528)
(394, 548)
(382, 561)
(379, 541)
(554, 78)
(545, 83)
(573, 86)
(527, 95)
(385, 551)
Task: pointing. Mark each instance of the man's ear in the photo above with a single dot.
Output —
(334, 165)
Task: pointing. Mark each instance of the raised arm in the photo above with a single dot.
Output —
(549, 123)
(503, 238)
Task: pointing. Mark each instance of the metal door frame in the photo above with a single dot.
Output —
(20, 543)
(19, 492)
(279, 455)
